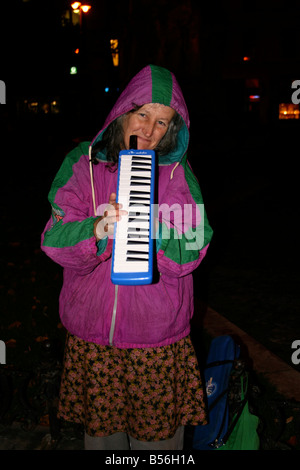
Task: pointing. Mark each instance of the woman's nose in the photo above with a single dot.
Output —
(148, 128)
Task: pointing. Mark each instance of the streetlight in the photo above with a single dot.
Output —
(78, 9)
(81, 7)
(85, 8)
(75, 5)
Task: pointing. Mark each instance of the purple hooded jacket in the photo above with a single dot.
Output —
(91, 306)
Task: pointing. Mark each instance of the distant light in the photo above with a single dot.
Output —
(254, 97)
(114, 45)
(54, 108)
(246, 58)
(106, 89)
(77, 51)
(85, 8)
(73, 70)
(75, 5)
(289, 111)
(33, 106)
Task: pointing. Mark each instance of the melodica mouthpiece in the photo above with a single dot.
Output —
(133, 142)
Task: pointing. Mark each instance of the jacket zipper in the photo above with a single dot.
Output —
(113, 319)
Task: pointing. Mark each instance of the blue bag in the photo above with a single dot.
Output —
(220, 360)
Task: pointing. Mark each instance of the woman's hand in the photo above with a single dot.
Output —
(104, 226)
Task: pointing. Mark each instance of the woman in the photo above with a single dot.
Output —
(130, 371)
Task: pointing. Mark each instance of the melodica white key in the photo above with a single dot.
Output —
(132, 256)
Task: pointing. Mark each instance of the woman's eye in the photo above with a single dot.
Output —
(162, 123)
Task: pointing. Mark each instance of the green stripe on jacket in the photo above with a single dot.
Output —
(62, 234)
(66, 171)
(185, 248)
(66, 235)
(162, 85)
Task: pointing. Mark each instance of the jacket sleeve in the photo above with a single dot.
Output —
(184, 232)
(68, 238)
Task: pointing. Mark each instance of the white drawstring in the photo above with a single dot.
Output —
(92, 179)
(172, 172)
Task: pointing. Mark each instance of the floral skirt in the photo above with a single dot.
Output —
(146, 393)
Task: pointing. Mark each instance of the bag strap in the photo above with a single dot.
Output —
(216, 442)
(244, 379)
(219, 363)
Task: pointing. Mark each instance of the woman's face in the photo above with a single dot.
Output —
(149, 123)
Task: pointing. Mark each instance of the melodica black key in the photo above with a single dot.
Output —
(132, 256)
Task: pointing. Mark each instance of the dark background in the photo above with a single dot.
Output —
(245, 157)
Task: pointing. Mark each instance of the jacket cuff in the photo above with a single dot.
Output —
(101, 245)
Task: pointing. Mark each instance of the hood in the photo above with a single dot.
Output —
(153, 84)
